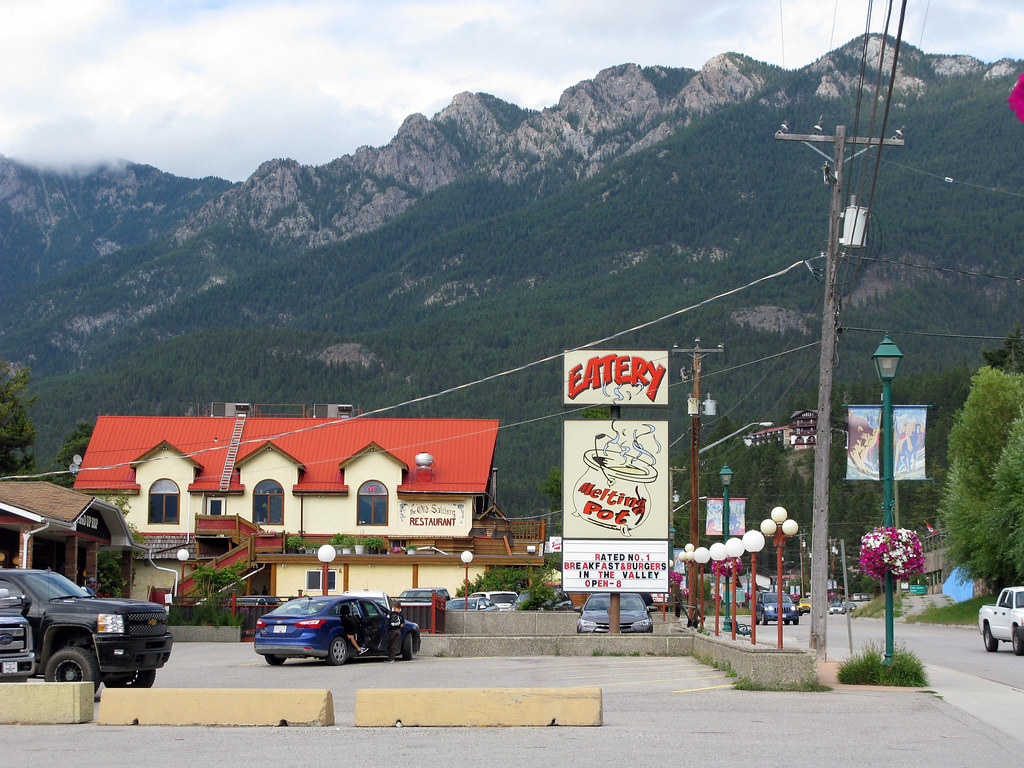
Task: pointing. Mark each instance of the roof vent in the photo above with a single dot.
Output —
(228, 409)
(424, 461)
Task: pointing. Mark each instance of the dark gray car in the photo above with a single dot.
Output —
(633, 615)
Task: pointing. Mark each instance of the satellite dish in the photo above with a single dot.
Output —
(77, 459)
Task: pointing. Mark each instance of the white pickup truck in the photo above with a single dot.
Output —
(1004, 621)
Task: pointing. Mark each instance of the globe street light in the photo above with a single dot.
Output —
(887, 363)
(733, 551)
(753, 542)
(778, 526)
(467, 558)
(717, 551)
(182, 557)
(325, 555)
(701, 555)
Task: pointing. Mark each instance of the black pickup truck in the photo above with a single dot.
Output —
(78, 637)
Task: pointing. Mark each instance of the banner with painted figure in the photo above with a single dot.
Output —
(864, 429)
(737, 517)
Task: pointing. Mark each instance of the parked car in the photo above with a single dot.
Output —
(17, 659)
(475, 604)
(314, 627)
(381, 597)
(560, 602)
(504, 600)
(633, 615)
(767, 606)
(804, 606)
(422, 595)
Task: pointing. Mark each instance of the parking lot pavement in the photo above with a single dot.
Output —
(655, 709)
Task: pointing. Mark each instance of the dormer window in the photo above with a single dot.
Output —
(163, 503)
(268, 503)
(373, 504)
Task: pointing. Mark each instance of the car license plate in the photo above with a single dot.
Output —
(10, 667)
(280, 628)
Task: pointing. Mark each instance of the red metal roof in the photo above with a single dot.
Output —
(463, 449)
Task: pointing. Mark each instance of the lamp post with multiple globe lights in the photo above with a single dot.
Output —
(779, 526)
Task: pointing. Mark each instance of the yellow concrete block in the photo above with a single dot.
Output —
(479, 706)
(46, 703)
(215, 706)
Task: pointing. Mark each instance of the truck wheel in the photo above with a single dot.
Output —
(337, 654)
(1018, 641)
(143, 678)
(991, 644)
(73, 665)
(407, 647)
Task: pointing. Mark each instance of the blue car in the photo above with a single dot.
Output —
(321, 627)
(767, 607)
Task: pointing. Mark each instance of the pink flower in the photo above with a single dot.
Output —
(1016, 98)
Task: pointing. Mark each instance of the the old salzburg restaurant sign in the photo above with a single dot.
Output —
(615, 492)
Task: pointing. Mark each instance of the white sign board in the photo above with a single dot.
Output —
(614, 566)
(615, 479)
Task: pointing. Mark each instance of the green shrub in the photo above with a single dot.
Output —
(867, 668)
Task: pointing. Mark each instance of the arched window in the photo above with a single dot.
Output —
(373, 504)
(268, 503)
(163, 502)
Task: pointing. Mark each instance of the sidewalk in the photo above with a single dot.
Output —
(994, 704)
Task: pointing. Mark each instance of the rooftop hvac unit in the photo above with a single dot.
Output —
(332, 411)
(228, 409)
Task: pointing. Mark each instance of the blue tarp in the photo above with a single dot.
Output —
(958, 585)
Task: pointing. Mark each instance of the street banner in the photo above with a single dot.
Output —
(737, 517)
(864, 429)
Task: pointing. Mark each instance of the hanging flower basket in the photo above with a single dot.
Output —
(727, 567)
(891, 550)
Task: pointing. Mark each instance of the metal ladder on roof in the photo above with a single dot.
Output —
(229, 460)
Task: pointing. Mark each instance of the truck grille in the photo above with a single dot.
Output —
(13, 640)
(146, 624)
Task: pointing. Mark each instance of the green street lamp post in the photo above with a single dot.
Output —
(725, 475)
(887, 362)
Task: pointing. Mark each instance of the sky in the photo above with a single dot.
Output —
(215, 87)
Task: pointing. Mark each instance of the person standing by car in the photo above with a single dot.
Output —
(395, 622)
(91, 585)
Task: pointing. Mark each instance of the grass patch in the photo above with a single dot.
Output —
(809, 686)
(866, 668)
(965, 612)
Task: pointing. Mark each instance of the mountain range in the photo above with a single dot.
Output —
(650, 207)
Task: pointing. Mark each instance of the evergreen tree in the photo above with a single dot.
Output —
(17, 432)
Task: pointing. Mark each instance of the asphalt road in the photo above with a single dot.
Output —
(657, 710)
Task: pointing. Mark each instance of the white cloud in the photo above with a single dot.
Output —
(197, 87)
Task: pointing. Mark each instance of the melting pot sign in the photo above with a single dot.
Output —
(615, 479)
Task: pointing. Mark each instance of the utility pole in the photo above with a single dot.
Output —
(694, 409)
(829, 324)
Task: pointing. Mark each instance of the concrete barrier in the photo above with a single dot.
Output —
(216, 706)
(510, 623)
(39, 703)
(185, 633)
(446, 707)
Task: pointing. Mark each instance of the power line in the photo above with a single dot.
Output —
(963, 272)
